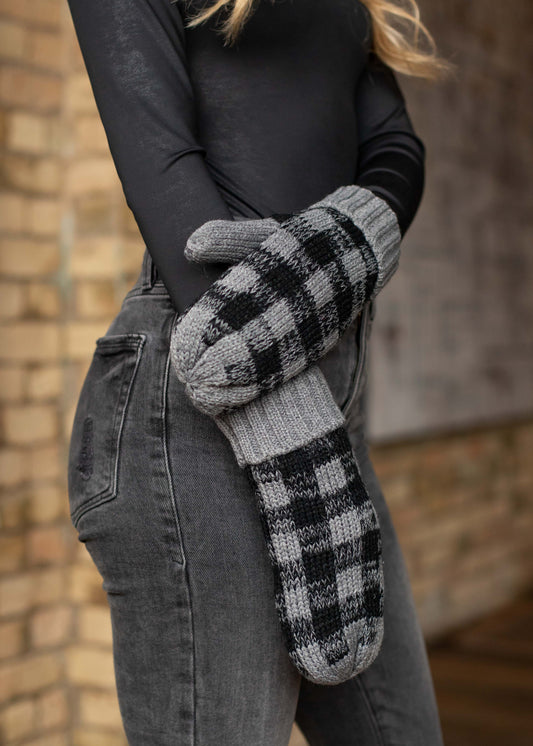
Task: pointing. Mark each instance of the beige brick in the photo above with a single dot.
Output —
(26, 423)
(46, 503)
(28, 341)
(87, 665)
(82, 556)
(79, 370)
(32, 133)
(29, 89)
(45, 462)
(11, 552)
(29, 675)
(53, 739)
(22, 257)
(78, 94)
(13, 40)
(11, 300)
(48, 14)
(75, 58)
(94, 258)
(131, 255)
(99, 709)
(13, 509)
(12, 383)
(38, 174)
(128, 223)
(15, 594)
(44, 217)
(96, 737)
(85, 585)
(46, 545)
(89, 135)
(97, 299)
(434, 558)
(50, 626)
(45, 49)
(43, 300)
(12, 638)
(44, 382)
(12, 467)
(13, 212)
(17, 720)
(3, 131)
(472, 597)
(80, 338)
(16, 9)
(49, 585)
(95, 214)
(484, 559)
(91, 174)
(52, 708)
(68, 418)
(94, 624)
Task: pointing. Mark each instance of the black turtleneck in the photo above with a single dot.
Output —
(198, 130)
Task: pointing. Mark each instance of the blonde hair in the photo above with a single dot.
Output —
(396, 25)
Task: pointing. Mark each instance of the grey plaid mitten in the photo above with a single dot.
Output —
(301, 282)
(320, 526)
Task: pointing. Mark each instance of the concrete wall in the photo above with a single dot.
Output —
(453, 345)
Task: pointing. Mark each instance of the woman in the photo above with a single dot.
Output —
(263, 115)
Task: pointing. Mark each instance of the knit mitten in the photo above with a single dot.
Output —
(320, 526)
(302, 280)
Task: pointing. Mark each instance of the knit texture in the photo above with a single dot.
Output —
(320, 526)
(246, 352)
(289, 299)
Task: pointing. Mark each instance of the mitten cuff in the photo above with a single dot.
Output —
(283, 419)
(378, 222)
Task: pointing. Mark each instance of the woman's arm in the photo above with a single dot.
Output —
(391, 156)
(134, 51)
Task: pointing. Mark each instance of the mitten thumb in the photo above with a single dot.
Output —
(227, 240)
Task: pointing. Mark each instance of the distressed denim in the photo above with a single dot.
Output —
(171, 524)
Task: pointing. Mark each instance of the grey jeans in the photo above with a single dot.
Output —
(170, 522)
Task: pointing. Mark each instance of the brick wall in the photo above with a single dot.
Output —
(462, 505)
(69, 250)
(35, 609)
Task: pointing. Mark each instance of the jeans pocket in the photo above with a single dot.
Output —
(94, 448)
(359, 369)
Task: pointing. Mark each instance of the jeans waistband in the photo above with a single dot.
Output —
(148, 280)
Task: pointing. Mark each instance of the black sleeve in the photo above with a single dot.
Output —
(391, 156)
(134, 51)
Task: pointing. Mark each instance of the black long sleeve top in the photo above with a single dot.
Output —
(198, 130)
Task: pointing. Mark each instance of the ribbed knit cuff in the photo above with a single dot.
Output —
(378, 222)
(283, 419)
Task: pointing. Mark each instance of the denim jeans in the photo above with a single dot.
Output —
(170, 522)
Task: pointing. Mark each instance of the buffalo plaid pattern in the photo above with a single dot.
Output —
(246, 351)
(276, 312)
(324, 544)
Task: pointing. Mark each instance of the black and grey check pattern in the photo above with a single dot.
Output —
(246, 352)
(286, 304)
(324, 544)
